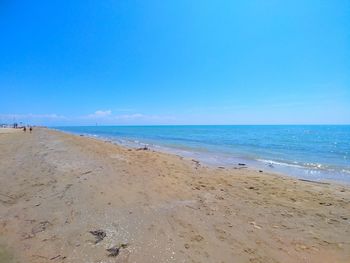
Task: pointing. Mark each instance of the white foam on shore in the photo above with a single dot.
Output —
(271, 162)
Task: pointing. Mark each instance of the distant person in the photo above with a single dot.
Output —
(24, 129)
(30, 129)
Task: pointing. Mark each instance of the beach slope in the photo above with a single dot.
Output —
(66, 198)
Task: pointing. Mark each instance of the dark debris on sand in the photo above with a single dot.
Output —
(99, 235)
(145, 148)
(114, 251)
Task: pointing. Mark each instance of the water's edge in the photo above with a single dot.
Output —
(223, 160)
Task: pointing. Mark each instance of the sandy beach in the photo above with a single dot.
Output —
(147, 206)
(9, 130)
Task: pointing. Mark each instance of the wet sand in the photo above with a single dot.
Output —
(55, 188)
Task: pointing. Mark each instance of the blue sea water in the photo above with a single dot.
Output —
(317, 152)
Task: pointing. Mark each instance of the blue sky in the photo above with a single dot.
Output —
(175, 62)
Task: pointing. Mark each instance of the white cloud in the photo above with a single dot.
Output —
(107, 117)
(103, 117)
(31, 116)
(100, 114)
(33, 119)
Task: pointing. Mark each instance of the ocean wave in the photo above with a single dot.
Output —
(280, 163)
(306, 166)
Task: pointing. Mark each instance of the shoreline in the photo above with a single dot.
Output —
(211, 159)
(55, 188)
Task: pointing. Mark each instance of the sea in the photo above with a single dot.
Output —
(311, 152)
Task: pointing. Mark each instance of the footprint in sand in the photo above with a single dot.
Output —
(197, 238)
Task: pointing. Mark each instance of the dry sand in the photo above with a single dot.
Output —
(55, 188)
(9, 130)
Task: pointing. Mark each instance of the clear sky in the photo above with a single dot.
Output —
(175, 62)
